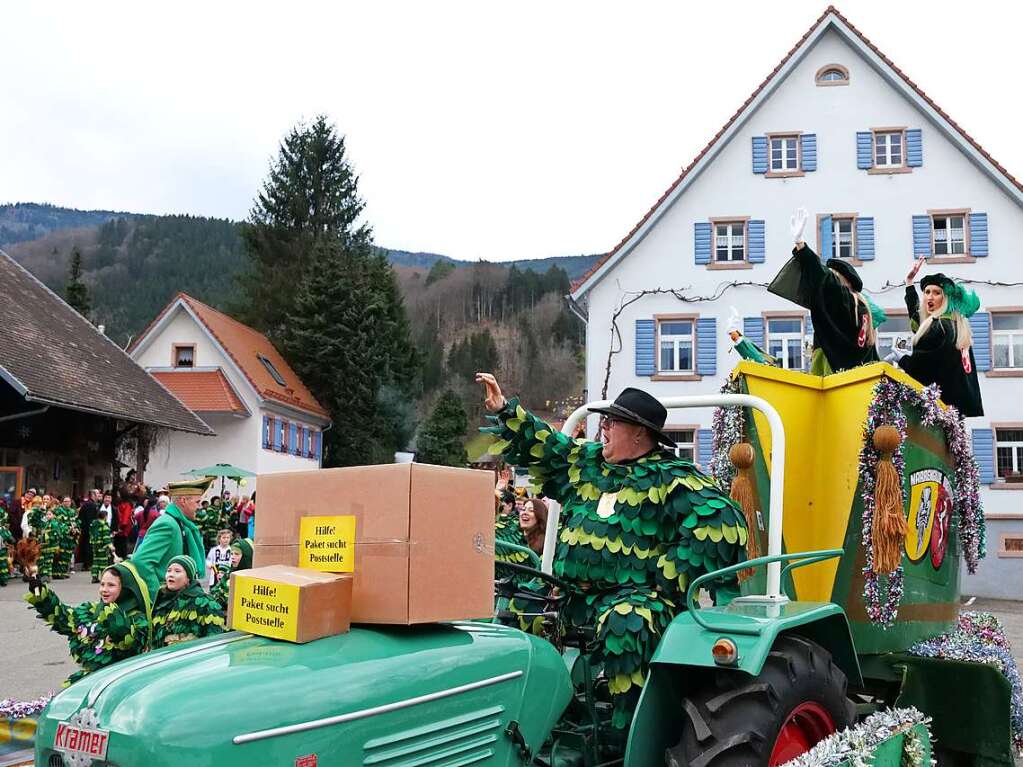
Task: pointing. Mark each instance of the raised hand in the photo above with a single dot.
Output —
(493, 399)
(797, 224)
(911, 277)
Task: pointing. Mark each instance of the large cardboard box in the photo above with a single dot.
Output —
(289, 603)
(424, 546)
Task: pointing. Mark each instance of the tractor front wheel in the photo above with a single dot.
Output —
(798, 699)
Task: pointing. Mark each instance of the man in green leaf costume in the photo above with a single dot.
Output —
(638, 524)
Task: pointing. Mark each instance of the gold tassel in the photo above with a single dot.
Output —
(741, 455)
(888, 532)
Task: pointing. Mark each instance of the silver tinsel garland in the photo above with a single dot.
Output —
(855, 745)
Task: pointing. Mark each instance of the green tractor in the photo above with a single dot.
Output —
(758, 681)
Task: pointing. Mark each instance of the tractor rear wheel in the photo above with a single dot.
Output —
(798, 699)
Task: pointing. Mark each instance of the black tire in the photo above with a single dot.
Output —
(735, 721)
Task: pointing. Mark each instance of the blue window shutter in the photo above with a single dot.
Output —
(753, 329)
(984, 454)
(914, 148)
(707, 346)
(865, 238)
(277, 433)
(760, 154)
(646, 362)
(864, 150)
(318, 445)
(704, 448)
(807, 336)
(701, 242)
(293, 440)
(921, 236)
(980, 327)
(755, 233)
(267, 431)
(978, 234)
(808, 145)
(826, 236)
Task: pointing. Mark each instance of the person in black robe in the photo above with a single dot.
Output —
(942, 342)
(843, 319)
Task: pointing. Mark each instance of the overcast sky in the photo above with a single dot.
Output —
(479, 129)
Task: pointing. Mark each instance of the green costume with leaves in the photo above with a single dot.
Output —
(210, 521)
(36, 519)
(67, 540)
(633, 537)
(221, 589)
(100, 634)
(6, 539)
(102, 544)
(48, 534)
(170, 535)
(186, 614)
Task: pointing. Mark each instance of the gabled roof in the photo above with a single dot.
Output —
(202, 391)
(52, 355)
(246, 348)
(830, 19)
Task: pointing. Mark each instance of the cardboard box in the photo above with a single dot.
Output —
(424, 546)
(289, 603)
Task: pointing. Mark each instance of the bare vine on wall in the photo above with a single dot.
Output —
(630, 297)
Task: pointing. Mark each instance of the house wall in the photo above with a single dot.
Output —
(237, 443)
(665, 258)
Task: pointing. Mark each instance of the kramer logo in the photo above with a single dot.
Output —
(929, 516)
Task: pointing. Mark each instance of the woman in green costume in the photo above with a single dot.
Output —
(844, 320)
(241, 559)
(6, 539)
(638, 524)
(67, 539)
(102, 632)
(48, 533)
(183, 610)
(102, 543)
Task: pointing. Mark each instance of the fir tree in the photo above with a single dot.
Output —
(441, 268)
(310, 196)
(76, 292)
(441, 438)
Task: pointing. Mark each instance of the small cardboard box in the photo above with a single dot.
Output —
(424, 546)
(289, 603)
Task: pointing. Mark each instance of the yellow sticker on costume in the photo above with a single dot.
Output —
(924, 487)
(327, 544)
(606, 505)
(265, 608)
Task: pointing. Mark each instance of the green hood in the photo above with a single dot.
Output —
(244, 545)
(134, 592)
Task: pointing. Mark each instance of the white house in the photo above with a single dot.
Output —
(265, 419)
(887, 176)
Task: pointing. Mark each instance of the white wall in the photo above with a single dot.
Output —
(665, 258)
(179, 452)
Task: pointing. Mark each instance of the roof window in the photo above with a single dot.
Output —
(832, 74)
(272, 370)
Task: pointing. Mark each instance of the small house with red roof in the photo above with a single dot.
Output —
(265, 418)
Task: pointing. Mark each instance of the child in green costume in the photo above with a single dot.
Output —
(67, 538)
(241, 559)
(102, 544)
(638, 525)
(102, 632)
(6, 539)
(183, 610)
(48, 533)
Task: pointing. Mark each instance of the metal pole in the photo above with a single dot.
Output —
(777, 496)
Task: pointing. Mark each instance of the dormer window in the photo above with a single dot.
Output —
(832, 74)
(183, 356)
(272, 370)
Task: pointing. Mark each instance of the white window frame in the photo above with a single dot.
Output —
(836, 222)
(1017, 453)
(732, 245)
(686, 446)
(882, 139)
(949, 242)
(677, 338)
(1006, 337)
(788, 160)
(176, 359)
(785, 337)
(892, 336)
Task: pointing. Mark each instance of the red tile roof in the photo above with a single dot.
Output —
(245, 346)
(202, 391)
(831, 10)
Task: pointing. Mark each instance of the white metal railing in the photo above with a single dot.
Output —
(777, 474)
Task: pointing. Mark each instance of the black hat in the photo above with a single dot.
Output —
(938, 279)
(846, 270)
(636, 406)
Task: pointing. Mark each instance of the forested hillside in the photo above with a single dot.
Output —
(25, 221)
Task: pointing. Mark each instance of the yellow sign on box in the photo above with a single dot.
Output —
(327, 544)
(264, 608)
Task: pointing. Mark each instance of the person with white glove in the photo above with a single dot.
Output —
(844, 320)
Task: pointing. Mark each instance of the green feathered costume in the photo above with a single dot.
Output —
(190, 613)
(633, 537)
(100, 634)
(222, 588)
(6, 539)
(102, 543)
(48, 533)
(67, 541)
(210, 521)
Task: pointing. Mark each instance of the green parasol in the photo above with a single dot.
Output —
(222, 470)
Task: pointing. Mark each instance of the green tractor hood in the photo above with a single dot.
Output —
(383, 695)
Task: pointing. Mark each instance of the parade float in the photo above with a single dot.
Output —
(860, 492)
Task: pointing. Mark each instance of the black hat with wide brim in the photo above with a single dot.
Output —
(636, 406)
(846, 270)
